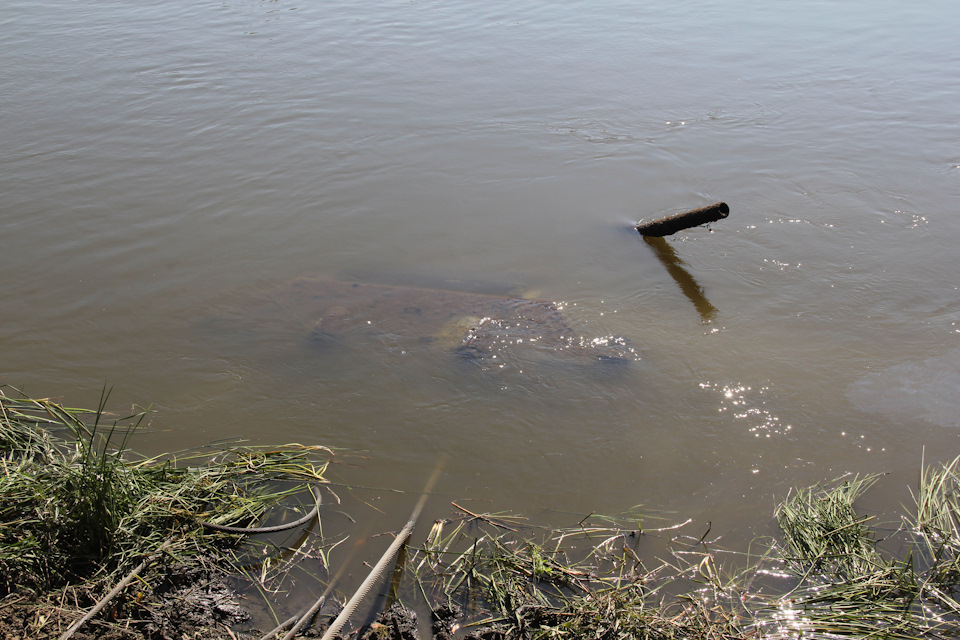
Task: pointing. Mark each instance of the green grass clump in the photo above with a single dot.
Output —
(823, 533)
(76, 505)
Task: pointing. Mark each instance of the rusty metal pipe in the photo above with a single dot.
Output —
(694, 218)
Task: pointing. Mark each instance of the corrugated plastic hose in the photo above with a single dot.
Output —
(274, 529)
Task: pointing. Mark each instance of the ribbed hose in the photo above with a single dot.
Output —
(274, 529)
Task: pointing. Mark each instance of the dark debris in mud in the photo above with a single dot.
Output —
(186, 602)
(191, 598)
(193, 603)
(445, 619)
(396, 623)
(400, 623)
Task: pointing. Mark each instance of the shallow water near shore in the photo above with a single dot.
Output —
(165, 167)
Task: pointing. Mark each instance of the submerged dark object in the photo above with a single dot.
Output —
(474, 325)
(693, 218)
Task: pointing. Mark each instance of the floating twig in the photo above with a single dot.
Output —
(477, 516)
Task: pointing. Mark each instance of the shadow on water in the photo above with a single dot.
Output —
(688, 285)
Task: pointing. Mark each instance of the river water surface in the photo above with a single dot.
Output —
(164, 165)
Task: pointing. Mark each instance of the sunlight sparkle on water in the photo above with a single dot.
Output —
(783, 266)
(745, 403)
(860, 442)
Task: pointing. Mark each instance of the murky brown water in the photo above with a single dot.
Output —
(163, 166)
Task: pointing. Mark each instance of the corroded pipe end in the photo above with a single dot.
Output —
(679, 222)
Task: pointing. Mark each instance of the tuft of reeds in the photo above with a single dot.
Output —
(77, 506)
(847, 586)
(823, 533)
(937, 526)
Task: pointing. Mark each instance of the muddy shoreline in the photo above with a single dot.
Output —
(193, 603)
(95, 543)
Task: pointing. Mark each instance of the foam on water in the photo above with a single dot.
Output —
(927, 389)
